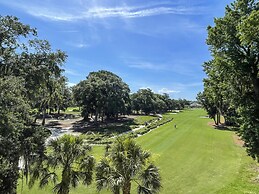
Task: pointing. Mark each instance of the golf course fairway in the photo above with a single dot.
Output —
(193, 158)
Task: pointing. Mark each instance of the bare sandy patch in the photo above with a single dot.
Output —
(238, 141)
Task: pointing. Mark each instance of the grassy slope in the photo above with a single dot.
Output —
(194, 158)
(141, 119)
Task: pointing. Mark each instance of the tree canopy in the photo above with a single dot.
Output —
(102, 94)
(232, 85)
(27, 68)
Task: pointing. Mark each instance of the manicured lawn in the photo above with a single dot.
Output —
(193, 158)
(141, 119)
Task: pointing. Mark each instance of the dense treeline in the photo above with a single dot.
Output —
(104, 95)
(146, 101)
(231, 88)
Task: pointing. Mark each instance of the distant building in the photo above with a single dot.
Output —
(195, 105)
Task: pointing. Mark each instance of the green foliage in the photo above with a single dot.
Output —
(70, 155)
(124, 163)
(232, 85)
(22, 56)
(145, 100)
(18, 138)
(102, 94)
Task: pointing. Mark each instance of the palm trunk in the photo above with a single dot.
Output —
(126, 188)
(65, 181)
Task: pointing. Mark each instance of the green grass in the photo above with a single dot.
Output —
(193, 158)
(141, 119)
(72, 110)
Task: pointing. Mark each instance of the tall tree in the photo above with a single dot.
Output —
(46, 64)
(24, 69)
(28, 58)
(234, 44)
(70, 155)
(18, 138)
(125, 163)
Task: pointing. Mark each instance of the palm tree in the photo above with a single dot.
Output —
(70, 155)
(125, 163)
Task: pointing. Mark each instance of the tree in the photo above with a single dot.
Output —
(102, 94)
(209, 105)
(18, 137)
(25, 64)
(125, 163)
(28, 58)
(144, 100)
(46, 64)
(69, 154)
(234, 46)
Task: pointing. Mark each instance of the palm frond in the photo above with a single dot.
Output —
(144, 190)
(150, 178)
(75, 176)
(48, 177)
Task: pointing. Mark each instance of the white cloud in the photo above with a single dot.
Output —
(81, 45)
(167, 91)
(71, 72)
(85, 12)
(146, 66)
(70, 84)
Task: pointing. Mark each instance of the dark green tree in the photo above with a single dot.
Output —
(144, 100)
(28, 58)
(26, 65)
(19, 139)
(102, 94)
(234, 46)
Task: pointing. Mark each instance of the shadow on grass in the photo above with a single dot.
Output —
(224, 127)
(121, 125)
(53, 124)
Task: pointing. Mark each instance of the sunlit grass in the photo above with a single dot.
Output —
(193, 158)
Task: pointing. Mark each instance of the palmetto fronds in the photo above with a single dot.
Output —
(126, 162)
(71, 155)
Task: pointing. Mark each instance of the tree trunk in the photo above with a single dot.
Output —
(35, 119)
(215, 119)
(65, 181)
(218, 117)
(126, 188)
(43, 115)
(96, 117)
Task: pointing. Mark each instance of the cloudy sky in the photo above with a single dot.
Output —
(149, 43)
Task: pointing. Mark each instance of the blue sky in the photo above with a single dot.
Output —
(149, 43)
